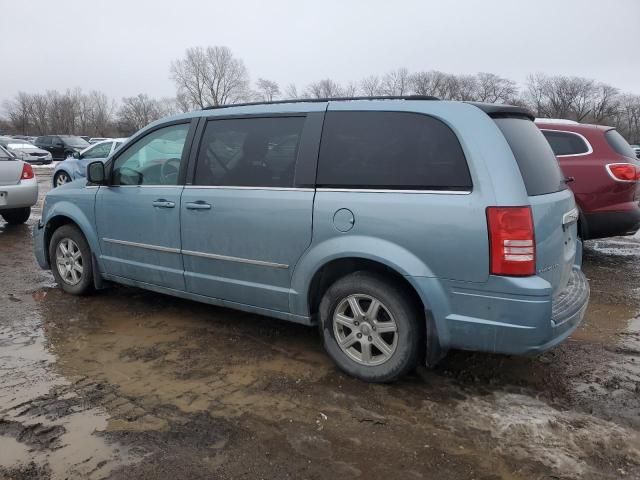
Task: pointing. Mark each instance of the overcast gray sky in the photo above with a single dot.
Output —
(125, 47)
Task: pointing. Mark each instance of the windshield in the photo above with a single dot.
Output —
(17, 146)
(75, 141)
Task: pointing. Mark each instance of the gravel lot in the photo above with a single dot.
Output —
(132, 384)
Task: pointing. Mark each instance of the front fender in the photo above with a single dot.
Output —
(73, 167)
(84, 221)
(353, 246)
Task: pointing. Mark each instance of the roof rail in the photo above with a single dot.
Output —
(556, 120)
(329, 99)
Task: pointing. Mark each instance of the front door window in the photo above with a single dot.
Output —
(153, 160)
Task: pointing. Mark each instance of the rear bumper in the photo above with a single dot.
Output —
(611, 224)
(21, 195)
(513, 316)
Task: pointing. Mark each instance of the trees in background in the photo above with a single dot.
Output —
(210, 76)
(138, 111)
(267, 90)
(214, 76)
(73, 112)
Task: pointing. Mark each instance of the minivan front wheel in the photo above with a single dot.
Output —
(70, 259)
(370, 327)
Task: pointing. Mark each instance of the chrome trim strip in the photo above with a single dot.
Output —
(144, 186)
(584, 139)
(376, 190)
(142, 245)
(234, 259)
(195, 254)
(217, 187)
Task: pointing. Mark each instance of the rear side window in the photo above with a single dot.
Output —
(249, 152)
(619, 144)
(565, 143)
(390, 150)
(538, 165)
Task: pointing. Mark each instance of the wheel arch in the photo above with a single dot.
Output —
(331, 271)
(59, 220)
(58, 172)
(68, 214)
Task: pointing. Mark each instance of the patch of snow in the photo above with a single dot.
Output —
(532, 430)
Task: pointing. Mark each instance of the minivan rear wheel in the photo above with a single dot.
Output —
(370, 327)
(70, 258)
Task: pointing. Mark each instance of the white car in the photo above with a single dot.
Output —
(18, 188)
(97, 139)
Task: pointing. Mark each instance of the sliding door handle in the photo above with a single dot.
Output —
(199, 205)
(162, 203)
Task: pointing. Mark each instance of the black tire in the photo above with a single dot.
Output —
(16, 216)
(405, 312)
(58, 176)
(85, 284)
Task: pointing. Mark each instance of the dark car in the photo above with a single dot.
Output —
(603, 171)
(61, 146)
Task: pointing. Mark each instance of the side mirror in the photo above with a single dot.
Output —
(96, 173)
(76, 155)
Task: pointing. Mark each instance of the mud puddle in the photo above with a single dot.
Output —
(131, 384)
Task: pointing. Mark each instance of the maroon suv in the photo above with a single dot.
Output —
(604, 175)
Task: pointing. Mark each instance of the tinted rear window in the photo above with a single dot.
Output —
(565, 143)
(390, 150)
(537, 162)
(619, 144)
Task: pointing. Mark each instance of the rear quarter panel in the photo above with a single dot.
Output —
(429, 235)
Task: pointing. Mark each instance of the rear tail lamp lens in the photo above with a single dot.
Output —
(624, 172)
(27, 172)
(511, 241)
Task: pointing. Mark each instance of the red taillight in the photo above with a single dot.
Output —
(27, 172)
(624, 172)
(511, 241)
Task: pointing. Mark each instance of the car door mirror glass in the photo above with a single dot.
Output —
(96, 173)
(76, 155)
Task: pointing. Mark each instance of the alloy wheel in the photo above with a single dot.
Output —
(62, 178)
(365, 329)
(69, 261)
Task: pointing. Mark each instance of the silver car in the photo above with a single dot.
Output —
(25, 150)
(18, 188)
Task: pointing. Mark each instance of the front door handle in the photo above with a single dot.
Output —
(199, 205)
(162, 203)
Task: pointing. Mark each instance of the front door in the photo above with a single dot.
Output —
(138, 215)
(244, 222)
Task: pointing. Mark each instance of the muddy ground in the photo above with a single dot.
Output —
(132, 384)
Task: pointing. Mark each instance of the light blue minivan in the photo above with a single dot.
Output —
(403, 227)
